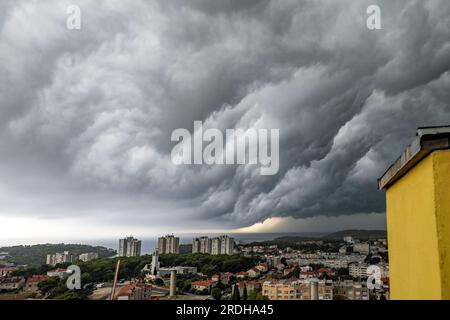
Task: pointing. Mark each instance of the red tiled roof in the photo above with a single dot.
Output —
(58, 270)
(204, 283)
(247, 283)
(125, 291)
(37, 278)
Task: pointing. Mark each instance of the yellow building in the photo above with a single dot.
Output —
(295, 289)
(418, 217)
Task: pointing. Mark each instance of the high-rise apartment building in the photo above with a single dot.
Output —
(88, 256)
(214, 246)
(201, 245)
(56, 258)
(129, 247)
(169, 245)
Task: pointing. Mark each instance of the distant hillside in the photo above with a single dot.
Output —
(293, 239)
(36, 255)
(358, 234)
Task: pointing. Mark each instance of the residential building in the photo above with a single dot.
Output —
(32, 282)
(295, 289)
(201, 245)
(203, 285)
(263, 267)
(6, 272)
(57, 258)
(215, 246)
(88, 256)
(165, 272)
(349, 240)
(226, 245)
(362, 247)
(219, 245)
(253, 273)
(169, 244)
(129, 247)
(357, 270)
(352, 290)
(135, 291)
(14, 283)
(223, 277)
(61, 273)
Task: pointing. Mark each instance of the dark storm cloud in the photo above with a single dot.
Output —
(90, 112)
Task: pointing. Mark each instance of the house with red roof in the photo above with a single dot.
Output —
(254, 272)
(263, 267)
(288, 271)
(135, 291)
(57, 273)
(241, 275)
(32, 282)
(204, 285)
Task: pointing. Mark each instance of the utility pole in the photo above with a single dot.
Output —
(113, 291)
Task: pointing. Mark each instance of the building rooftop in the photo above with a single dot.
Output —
(428, 139)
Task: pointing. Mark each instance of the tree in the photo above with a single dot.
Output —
(236, 294)
(253, 295)
(159, 282)
(339, 297)
(48, 285)
(216, 293)
(244, 293)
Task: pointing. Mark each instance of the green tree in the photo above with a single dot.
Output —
(159, 282)
(236, 294)
(216, 293)
(253, 295)
(244, 293)
(48, 285)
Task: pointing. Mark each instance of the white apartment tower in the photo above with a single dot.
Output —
(201, 245)
(169, 245)
(214, 246)
(129, 247)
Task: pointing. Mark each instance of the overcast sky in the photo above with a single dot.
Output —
(86, 115)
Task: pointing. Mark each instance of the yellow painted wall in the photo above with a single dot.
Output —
(418, 221)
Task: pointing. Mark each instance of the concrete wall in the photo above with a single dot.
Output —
(418, 221)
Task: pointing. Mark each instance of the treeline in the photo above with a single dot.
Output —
(36, 255)
(102, 270)
(300, 244)
(209, 264)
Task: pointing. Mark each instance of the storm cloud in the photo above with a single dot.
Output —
(86, 115)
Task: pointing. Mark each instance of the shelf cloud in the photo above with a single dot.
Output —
(86, 115)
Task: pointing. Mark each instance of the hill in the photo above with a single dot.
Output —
(358, 234)
(36, 255)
